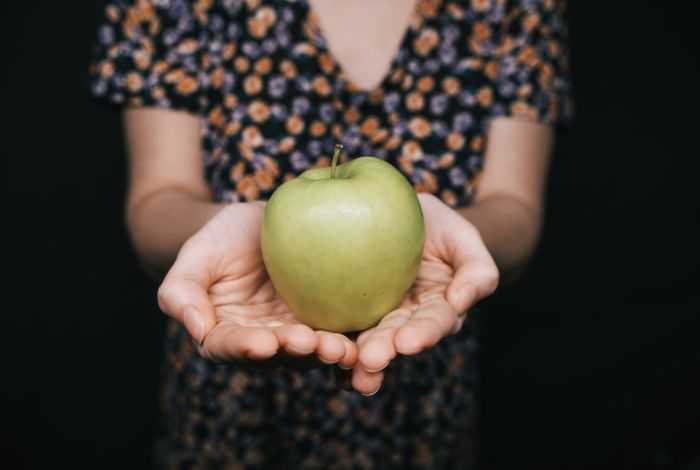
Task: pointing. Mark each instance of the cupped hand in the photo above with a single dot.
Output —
(219, 290)
(455, 272)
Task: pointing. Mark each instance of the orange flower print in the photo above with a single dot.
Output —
(230, 101)
(406, 164)
(426, 41)
(321, 86)
(481, 5)
(263, 65)
(257, 28)
(158, 93)
(528, 56)
(407, 82)
(142, 59)
(426, 84)
(247, 188)
(288, 69)
(252, 84)
(524, 90)
(521, 109)
(414, 101)
(264, 179)
(112, 13)
(530, 22)
(351, 116)
(455, 10)
(379, 136)
(322, 162)
(546, 75)
(241, 64)
(450, 85)
(419, 127)
(481, 31)
(454, 141)
(397, 76)
(187, 86)
(216, 117)
(229, 51)
(446, 160)
(428, 8)
(258, 111)
(271, 166)
(412, 150)
(159, 68)
(393, 142)
(317, 128)
(326, 63)
(477, 143)
(246, 151)
(251, 136)
(295, 124)
(106, 69)
(448, 197)
(232, 128)
(369, 125)
(266, 16)
(252, 4)
(485, 96)
(188, 46)
(237, 171)
(217, 77)
(430, 181)
(135, 101)
(286, 144)
(174, 76)
(491, 69)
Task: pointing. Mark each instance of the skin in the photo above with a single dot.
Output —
(217, 287)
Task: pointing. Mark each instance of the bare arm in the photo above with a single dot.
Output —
(508, 210)
(168, 199)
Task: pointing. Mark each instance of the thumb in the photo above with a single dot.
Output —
(183, 296)
(471, 283)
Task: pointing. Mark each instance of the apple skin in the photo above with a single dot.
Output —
(343, 252)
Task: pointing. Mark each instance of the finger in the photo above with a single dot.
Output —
(476, 273)
(367, 383)
(331, 347)
(297, 339)
(350, 358)
(183, 294)
(229, 342)
(433, 320)
(376, 346)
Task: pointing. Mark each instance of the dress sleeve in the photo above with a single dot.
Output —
(148, 53)
(532, 81)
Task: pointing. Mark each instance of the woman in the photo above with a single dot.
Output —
(225, 100)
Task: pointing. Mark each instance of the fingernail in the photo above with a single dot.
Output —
(344, 367)
(194, 323)
(325, 361)
(372, 393)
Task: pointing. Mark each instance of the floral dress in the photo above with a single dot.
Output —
(273, 102)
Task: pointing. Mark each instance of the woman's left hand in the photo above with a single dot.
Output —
(456, 271)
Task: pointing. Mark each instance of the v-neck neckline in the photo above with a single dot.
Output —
(396, 59)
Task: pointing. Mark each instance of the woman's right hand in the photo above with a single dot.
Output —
(219, 290)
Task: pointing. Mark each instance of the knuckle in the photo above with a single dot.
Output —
(165, 297)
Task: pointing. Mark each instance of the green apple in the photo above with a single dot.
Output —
(342, 244)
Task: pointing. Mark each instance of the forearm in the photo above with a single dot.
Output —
(160, 223)
(509, 228)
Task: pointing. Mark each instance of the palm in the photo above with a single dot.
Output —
(221, 271)
(456, 270)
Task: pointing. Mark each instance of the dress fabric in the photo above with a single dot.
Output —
(273, 102)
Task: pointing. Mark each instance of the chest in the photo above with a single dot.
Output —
(363, 36)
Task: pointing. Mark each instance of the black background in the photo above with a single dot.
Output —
(591, 358)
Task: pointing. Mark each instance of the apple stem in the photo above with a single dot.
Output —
(334, 162)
